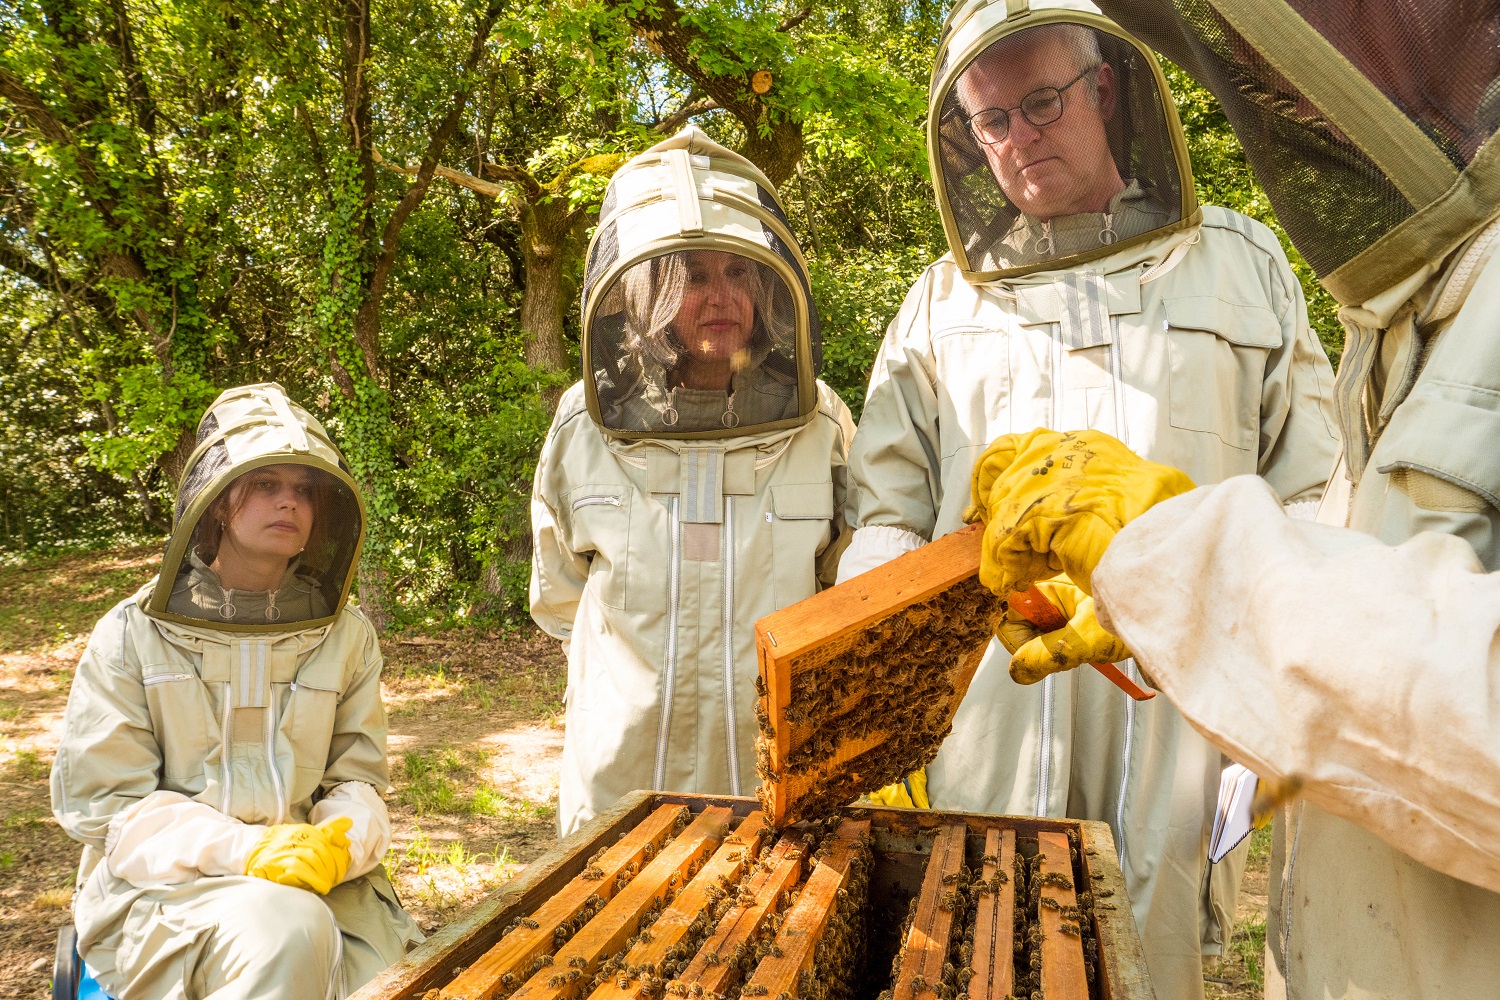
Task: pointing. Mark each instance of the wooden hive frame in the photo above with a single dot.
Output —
(904, 855)
(835, 721)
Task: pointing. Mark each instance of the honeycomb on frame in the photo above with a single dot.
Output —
(859, 684)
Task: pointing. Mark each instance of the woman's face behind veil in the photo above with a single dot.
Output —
(270, 513)
(717, 317)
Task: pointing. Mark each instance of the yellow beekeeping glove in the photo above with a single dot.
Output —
(1034, 654)
(303, 856)
(1052, 503)
(909, 793)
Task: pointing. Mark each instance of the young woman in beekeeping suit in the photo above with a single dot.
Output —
(1084, 288)
(223, 750)
(691, 483)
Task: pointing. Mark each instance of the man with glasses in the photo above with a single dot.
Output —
(1085, 288)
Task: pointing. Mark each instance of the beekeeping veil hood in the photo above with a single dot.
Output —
(698, 321)
(245, 431)
(1052, 139)
(1370, 125)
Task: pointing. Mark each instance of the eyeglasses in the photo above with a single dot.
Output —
(1042, 106)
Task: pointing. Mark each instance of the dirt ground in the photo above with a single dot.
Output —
(475, 741)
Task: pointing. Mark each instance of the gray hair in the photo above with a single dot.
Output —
(1080, 41)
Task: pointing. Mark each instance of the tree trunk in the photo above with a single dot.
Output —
(543, 231)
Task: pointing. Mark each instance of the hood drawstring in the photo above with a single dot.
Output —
(227, 610)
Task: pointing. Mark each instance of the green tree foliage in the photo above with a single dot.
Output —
(385, 207)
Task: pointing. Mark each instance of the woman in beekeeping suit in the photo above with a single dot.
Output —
(223, 750)
(691, 483)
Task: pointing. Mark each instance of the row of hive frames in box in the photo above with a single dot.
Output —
(710, 906)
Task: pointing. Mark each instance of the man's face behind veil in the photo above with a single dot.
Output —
(1063, 168)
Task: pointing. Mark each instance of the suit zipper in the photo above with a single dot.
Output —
(165, 678)
(728, 624)
(1126, 752)
(590, 501)
(226, 770)
(1044, 750)
(1117, 391)
(1287, 888)
(669, 668)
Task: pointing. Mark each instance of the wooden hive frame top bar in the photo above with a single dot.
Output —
(576, 962)
(826, 656)
(508, 963)
(693, 904)
(927, 943)
(798, 937)
(716, 967)
(995, 920)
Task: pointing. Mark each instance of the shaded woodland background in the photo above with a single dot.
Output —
(385, 206)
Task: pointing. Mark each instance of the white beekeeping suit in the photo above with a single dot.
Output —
(1372, 128)
(693, 482)
(201, 716)
(1084, 288)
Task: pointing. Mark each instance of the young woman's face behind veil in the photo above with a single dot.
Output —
(270, 513)
(717, 316)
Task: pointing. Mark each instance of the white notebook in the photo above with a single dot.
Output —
(1234, 818)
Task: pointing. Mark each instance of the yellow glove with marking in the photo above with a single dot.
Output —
(1052, 503)
(303, 856)
(909, 793)
(1034, 654)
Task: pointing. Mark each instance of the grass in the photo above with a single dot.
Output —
(47, 601)
(27, 765)
(1249, 946)
(446, 780)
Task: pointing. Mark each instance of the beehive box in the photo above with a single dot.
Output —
(690, 896)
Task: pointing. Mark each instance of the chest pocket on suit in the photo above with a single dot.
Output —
(186, 723)
(1218, 353)
(801, 517)
(307, 721)
(600, 516)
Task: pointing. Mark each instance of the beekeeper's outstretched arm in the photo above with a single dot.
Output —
(1369, 673)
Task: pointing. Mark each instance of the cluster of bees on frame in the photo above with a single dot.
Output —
(961, 895)
(849, 690)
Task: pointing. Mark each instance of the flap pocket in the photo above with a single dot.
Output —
(321, 673)
(1447, 431)
(1244, 325)
(803, 502)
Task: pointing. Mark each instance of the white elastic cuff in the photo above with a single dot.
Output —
(370, 834)
(875, 546)
(1302, 510)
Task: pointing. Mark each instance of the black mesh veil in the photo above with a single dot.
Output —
(1356, 116)
(268, 523)
(698, 319)
(1052, 143)
(695, 341)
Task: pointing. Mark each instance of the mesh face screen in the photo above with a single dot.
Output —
(1054, 142)
(285, 511)
(604, 252)
(1436, 61)
(692, 341)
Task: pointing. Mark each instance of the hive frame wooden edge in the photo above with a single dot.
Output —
(853, 605)
(461, 942)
